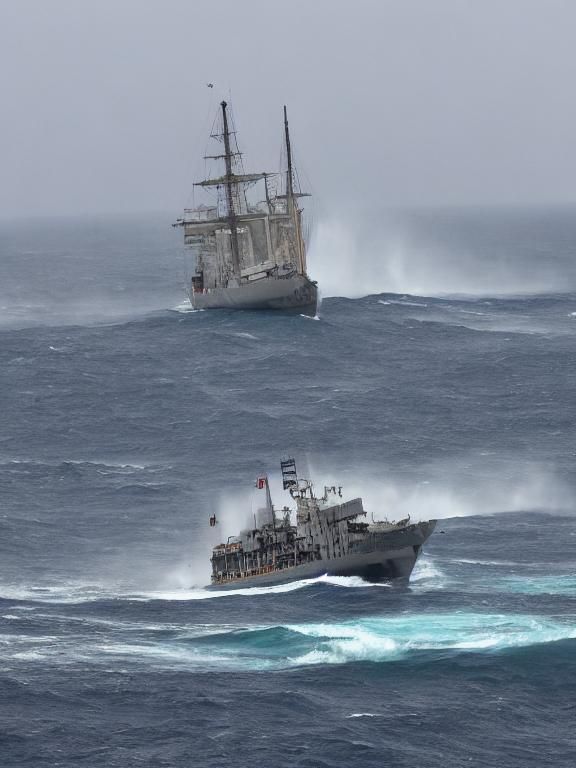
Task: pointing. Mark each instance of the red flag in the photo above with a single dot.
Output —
(261, 483)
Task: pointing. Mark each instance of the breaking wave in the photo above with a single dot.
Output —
(379, 639)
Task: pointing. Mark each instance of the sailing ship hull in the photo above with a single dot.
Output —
(289, 294)
(391, 555)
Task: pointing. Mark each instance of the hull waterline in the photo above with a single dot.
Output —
(292, 294)
(394, 560)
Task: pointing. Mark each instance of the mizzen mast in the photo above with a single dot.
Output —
(291, 207)
(289, 176)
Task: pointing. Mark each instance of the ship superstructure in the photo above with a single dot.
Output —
(249, 255)
(331, 536)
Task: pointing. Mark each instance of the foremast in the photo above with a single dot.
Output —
(232, 183)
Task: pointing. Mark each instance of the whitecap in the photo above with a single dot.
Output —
(469, 561)
(186, 308)
(388, 638)
(403, 303)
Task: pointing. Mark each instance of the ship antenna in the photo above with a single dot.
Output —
(229, 196)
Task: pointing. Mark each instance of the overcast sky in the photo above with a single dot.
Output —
(396, 102)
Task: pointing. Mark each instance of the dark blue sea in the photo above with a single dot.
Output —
(126, 420)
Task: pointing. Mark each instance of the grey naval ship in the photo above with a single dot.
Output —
(331, 536)
(249, 255)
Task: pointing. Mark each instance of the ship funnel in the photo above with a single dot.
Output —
(264, 514)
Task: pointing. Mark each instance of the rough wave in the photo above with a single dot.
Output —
(376, 639)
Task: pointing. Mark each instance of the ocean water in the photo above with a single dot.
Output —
(440, 384)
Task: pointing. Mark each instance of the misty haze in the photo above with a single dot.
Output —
(287, 405)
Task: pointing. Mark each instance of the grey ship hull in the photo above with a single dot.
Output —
(289, 294)
(386, 556)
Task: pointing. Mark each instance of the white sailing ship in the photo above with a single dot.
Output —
(249, 255)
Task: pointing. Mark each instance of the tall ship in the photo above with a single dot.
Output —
(331, 536)
(249, 254)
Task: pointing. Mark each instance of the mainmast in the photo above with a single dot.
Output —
(229, 196)
(291, 207)
(231, 184)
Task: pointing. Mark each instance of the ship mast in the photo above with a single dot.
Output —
(289, 177)
(291, 206)
(229, 196)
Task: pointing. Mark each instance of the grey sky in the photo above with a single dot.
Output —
(105, 106)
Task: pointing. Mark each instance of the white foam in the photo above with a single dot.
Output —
(183, 595)
(351, 582)
(468, 561)
(426, 573)
(403, 302)
(385, 639)
(376, 639)
(63, 593)
(208, 594)
(76, 593)
(185, 308)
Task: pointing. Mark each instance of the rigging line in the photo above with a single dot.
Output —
(199, 138)
(194, 166)
(242, 191)
(307, 181)
(281, 165)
